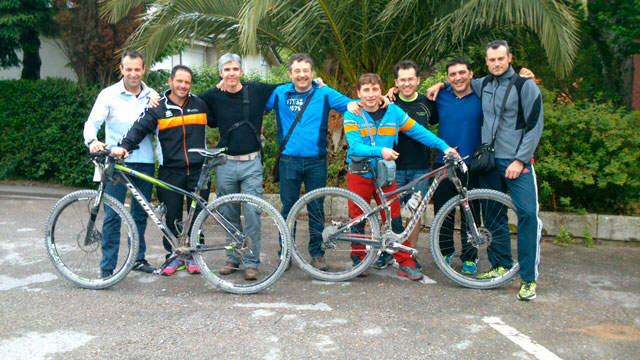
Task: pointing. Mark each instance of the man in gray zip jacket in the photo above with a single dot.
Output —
(516, 137)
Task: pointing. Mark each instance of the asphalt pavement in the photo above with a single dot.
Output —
(588, 307)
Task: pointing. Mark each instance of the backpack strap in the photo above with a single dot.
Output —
(245, 118)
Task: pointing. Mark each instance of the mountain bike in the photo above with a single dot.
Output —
(74, 239)
(482, 231)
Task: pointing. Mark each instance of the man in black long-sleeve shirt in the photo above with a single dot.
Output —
(238, 113)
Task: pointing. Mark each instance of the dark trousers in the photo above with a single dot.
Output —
(445, 191)
(524, 193)
(313, 173)
(175, 201)
(110, 243)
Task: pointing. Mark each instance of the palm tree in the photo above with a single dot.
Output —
(349, 37)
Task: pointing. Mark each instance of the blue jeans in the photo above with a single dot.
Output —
(403, 177)
(111, 226)
(246, 177)
(313, 172)
(524, 193)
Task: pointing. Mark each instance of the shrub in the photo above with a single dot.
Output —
(41, 130)
(588, 157)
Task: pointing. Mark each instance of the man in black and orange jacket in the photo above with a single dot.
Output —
(179, 122)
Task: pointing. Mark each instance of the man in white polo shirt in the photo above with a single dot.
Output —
(118, 106)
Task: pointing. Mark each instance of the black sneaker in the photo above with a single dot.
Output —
(105, 273)
(143, 266)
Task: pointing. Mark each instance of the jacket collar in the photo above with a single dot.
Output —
(170, 104)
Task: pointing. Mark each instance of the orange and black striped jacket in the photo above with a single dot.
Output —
(178, 129)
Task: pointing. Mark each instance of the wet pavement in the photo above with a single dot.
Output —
(588, 307)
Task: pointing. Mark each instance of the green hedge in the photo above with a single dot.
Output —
(587, 159)
(41, 124)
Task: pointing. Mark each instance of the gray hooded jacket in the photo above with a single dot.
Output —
(510, 130)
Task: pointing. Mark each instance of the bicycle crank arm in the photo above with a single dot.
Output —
(398, 246)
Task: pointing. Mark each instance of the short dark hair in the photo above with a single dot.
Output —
(301, 57)
(180, 67)
(132, 54)
(369, 78)
(403, 65)
(458, 61)
(496, 44)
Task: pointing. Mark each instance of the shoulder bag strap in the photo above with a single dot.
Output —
(373, 142)
(295, 122)
(504, 102)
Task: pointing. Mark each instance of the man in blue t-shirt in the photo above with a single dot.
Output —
(460, 119)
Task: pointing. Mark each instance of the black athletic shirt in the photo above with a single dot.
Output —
(227, 109)
(414, 155)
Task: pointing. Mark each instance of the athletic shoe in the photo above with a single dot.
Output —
(493, 273)
(527, 290)
(143, 266)
(319, 263)
(447, 259)
(469, 268)
(105, 273)
(418, 266)
(192, 268)
(356, 260)
(410, 272)
(383, 261)
(176, 265)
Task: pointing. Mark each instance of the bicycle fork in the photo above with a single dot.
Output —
(472, 228)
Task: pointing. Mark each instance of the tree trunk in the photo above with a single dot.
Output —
(31, 62)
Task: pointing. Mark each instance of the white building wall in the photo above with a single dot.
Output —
(197, 55)
(54, 63)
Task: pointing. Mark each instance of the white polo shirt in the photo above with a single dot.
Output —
(119, 108)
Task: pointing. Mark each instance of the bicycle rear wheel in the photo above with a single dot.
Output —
(496, 218)
(314, 222)
(76, 247)
(264, 247)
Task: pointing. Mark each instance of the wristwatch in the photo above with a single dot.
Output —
(90, 141)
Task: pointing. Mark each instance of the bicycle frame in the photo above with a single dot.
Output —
(445, 172)
(120, 170)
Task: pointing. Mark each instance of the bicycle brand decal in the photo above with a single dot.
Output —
(143, 202)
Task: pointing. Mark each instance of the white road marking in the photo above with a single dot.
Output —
(312, 307)
(34, 346)
(520, 339)
(262, 313)
(372, 331)
(8, 283)
(26, 229)
(326, 344)
(463, 345)
(273, 354)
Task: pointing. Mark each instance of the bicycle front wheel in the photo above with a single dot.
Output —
(261, 243)
(316, 223)
(81, 249)
(473, 262)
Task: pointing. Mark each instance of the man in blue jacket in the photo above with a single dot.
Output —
(304, 157)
